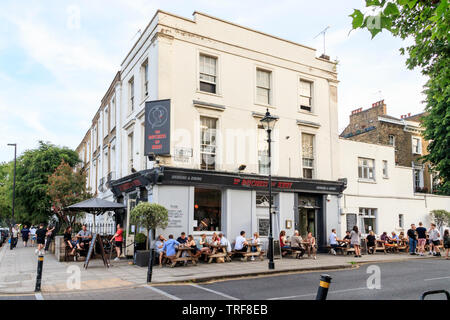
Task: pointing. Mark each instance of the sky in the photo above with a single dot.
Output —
(58, 58)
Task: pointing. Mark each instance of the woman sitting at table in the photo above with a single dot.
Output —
(68, 239)
(192, 244)
(283, 245)
(215, 240)
(370, 240)
(204, 246)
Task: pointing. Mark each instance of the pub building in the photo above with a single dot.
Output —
(201, 201)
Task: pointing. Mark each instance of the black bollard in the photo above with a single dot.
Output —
(39, 273)
(323, 287)
(150, 258)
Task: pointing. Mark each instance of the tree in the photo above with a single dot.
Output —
(5, 193)
(427, 22)
(440, 218)
(67, 186)
(150, 216)
(33, 170)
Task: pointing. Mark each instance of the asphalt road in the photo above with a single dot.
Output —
(397, 281)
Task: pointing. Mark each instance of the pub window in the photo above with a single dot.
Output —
(401, 220)
(263, 86)
(308, 155)
(207, 209)
(208, 74)
(368, 216)
(208, 143)
(131, 95)
(306, 95)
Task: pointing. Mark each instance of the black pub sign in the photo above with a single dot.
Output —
(157, 127)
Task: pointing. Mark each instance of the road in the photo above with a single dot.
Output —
(398, 281)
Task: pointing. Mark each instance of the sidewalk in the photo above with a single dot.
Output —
(18, 270)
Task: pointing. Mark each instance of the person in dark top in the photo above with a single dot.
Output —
(68, 239)
(25, 234)
(40, 239)
(347, 238)
(422, 238)
(182, 239)
(412, 239)
(370, 239)
(50, 230)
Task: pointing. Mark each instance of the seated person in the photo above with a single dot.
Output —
(182, 239)
(204, 246)
(370, 240)
(224, 242)
(296, 243)
(170, 246)
(68, 240)
(333, 241)
(347, 239)
(312, 247)
(241, 243)
(84, 238)
(394, 238)
(255, 240)
(384, 237)
(159, 244)
(192, 244)
(284, 246)
(215, 241)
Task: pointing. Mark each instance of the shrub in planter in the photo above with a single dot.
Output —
(140, 240)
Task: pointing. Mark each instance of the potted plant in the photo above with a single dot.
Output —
(140, 240)
(150, 216)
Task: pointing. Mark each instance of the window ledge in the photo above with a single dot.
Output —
(307, 112)
(367, 181)
(265, 105)
(210, 94)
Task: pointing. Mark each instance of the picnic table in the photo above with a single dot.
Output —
(258, 253)
(185, 257)
(217, 252)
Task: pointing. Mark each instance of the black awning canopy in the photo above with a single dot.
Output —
(95, 206)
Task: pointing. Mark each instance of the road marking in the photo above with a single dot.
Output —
(313, 294)
(436, 278)
(39, 296)
(215, 292)
(162, 292)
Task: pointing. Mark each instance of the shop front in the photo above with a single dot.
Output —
(200, 201)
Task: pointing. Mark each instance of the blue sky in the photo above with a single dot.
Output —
(57, 58)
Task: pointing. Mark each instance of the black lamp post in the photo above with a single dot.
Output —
(14, 180)
(268, 123)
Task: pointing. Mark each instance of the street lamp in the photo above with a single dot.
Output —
(14, 184)
(268, 123)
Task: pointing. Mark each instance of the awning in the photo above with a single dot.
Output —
(96, 206)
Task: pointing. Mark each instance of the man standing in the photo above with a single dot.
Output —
(14, 236)
(25, 234)
(412, 239)
(40, 239)
(422, 238)
(434, 239)
(33, 235)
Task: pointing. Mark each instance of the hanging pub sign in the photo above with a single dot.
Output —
(157, 127)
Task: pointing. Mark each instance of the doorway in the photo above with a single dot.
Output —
(307, 221)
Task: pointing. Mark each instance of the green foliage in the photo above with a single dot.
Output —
(150, 216)
(66, 187)
(140, 238)
(428, 23)
(440, 217)
(34, 168)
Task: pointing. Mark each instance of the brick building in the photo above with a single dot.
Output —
(375, 126)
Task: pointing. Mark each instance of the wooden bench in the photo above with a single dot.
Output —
(185, 259)
(245, 254)
(219, 253)
(379, 246)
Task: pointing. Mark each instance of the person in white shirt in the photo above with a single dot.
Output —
(224, 242)
(434, 239)
(333, 241)
(255, 240)
(33, 235)
(241, 243)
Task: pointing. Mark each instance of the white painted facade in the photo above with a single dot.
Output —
(390, 196)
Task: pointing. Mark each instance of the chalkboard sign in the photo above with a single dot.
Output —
(351, 221)
(263, 227)
(276, 249)
(96, 237)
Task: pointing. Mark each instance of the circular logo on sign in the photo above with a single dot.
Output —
(157, 116)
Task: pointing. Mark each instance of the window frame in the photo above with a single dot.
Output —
(385, 169)
(271, 95)
(145, 78)
(199, 80)
(299, 96)
(393, 140)
(131, 96)
(419, 145)
(215, 146)
(368, 170)
(368, 213)
(314, 160)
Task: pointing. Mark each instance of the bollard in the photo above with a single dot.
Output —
(150, 267)
(323, 287)
(39, 273)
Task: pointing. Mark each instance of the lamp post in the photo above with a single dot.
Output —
(268, 123)
(14, 179)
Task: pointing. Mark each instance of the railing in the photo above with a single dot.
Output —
(102, 228)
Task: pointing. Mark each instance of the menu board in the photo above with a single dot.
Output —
(263, 227)
(351, 221)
